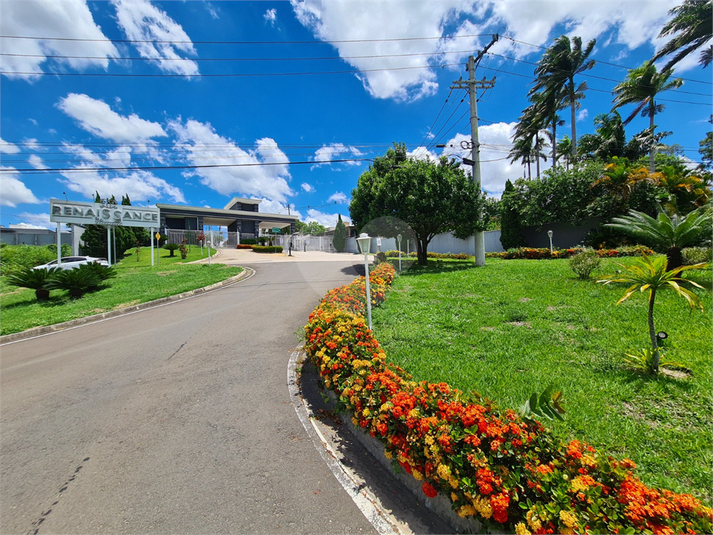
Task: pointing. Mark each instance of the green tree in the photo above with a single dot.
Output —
(510, 227)
(312, 228)
(557, 69)
(667, 234)
(430, 197)
(691, 29)
(340, 236)
(653, 275)
(641, 87)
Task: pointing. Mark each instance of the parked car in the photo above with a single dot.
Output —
(71, 262)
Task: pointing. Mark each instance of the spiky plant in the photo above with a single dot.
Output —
(34, 279)
(76, 281)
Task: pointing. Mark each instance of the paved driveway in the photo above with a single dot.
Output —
(175, 419)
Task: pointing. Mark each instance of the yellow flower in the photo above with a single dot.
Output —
(355, 421)
(533, 520)
(366, 413)
(444, 472)
(579, 485)
(589, 461)
(413, 413)
(453, 482)
(568, 518)
(466, 510)
(429, 440)
(416, 474)
(567, 531)
(384, 408)
(388, 454)
(482, 505)
(454, 497)
(521, 529)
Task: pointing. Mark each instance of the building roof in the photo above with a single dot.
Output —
(241, 200)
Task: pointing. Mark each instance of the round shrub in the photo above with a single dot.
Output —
(584, 263)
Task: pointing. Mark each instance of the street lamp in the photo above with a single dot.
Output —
(550, 233)
(364, 242)
(398, 239)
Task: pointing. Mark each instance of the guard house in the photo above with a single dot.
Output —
(240, 217)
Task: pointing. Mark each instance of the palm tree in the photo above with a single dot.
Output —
(652, 275)
(564, 148)
(522, 152)
(543, 112)
(669, 234)
(527, 139)
(610, 129)
(691, 23)
(559, 65)
(642, 86)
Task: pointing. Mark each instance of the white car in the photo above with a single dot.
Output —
(71, 262)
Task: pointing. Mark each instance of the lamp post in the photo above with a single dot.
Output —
(364, 242)
(398, 239)
(550, 233)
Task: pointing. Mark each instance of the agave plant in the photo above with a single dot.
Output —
(669, 234)
(76, 281)
(35, 279)
(652, 275)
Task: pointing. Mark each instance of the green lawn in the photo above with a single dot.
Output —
(515, 326)
(136, 282)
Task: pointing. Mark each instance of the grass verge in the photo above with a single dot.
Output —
(136, 282)
(516, 326)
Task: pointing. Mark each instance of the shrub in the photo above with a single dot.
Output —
(184, 249)
(76, 281)
(380, 257)
(267, 248)
(15, 258)
(172, 247)
(35, 279)
(248, 241)
(584, 263)
(508, 471)
(697, 255)
(243, 246)
(102, 272)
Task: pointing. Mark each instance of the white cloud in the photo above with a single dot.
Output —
(30, 226)
(338, 198)
(201, 145)
(336, 151)
(97, 117)
(8, 148)
(422, 153)
(14, 191)
(161, 37)
(270, 206)
(36, 162)
(582, 115)
(271, 16)
(457, 24)
(31, 144)
(308, 187)
(44, 20)
(41, 220)
(327, 220)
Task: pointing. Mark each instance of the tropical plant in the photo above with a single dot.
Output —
(584, 263)
(620, 177)
(697, 255)
(34, 279)
(101, 271)
(691, 29)
(556, 70)
(641, 87)
(340, 235)
(685, 189)
(172, 247)
(184, 249)
(76, 281)
(668, 234)
(652, 275)
(543, 113)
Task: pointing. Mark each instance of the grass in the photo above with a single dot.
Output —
(136, 282)
(516, 326)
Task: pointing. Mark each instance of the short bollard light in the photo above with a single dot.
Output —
(398, 239)
(550, 233)
(660, 337)
(364, 242)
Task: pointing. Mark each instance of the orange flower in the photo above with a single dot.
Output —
(428, 490)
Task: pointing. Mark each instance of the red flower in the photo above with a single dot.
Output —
(428, 490)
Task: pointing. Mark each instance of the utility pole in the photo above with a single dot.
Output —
(472, 85)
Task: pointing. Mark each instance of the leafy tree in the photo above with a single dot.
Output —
(557, 69)
(312, 228)
(510, 227)
(340, 236)
(691, 29)
(430, 197)
(641, 87)
(668, 234)
(653, 275)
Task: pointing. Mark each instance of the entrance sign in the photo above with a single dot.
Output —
(84, 213)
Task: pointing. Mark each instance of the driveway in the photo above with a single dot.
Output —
(175, 419)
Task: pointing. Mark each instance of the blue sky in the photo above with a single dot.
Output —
(139, 96)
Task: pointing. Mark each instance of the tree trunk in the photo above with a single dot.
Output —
(554, 139)
(574, 119)
(537, 157)
(422, 251)
(652, 334)
(42, 294)
(674, 258)
(652, 152)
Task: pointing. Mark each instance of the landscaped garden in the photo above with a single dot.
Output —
(507, 331)
(136, 282)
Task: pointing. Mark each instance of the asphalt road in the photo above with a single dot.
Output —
(175, 419)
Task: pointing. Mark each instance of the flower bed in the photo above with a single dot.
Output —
(243, 246)
(443, 256)
(507, 471)
(544, 253)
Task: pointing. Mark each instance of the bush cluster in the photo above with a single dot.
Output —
(442, 256)
(244, 246)
(584, 263)
(697, 255)
(78, 281)
(544, 253)
(15, 258)
(267, 248)
(504, 470)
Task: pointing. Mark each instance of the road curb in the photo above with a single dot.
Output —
(57, 327)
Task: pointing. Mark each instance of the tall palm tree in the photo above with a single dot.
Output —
(543, 111)
(528, 142)
(691, 27)
(559, 65)
(641, 87)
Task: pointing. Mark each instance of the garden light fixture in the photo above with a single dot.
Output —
(398, 239)
(550, 233)
(364, 242)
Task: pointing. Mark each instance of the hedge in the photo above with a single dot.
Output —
(506, 471)
(243, 246)
(544, 253)
(266, 248)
